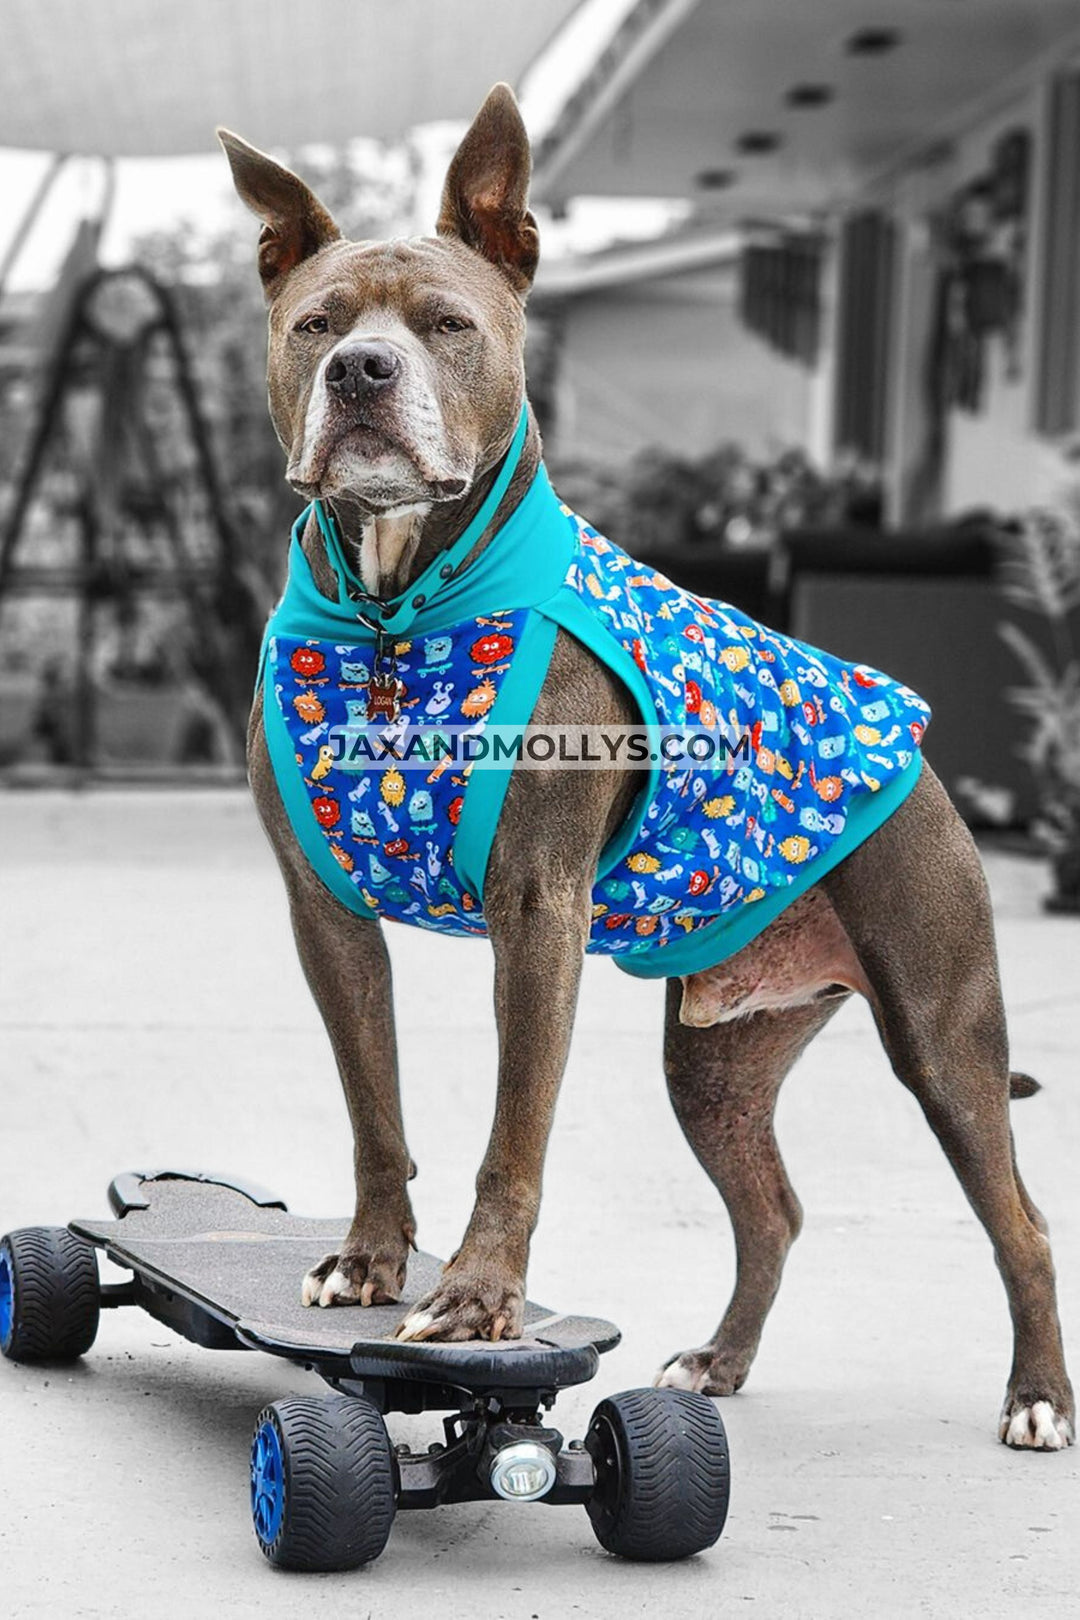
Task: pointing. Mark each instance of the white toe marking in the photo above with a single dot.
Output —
(1019, 1430)
(1037, 1428)
(1046, 1430)
(675, 1377)
(309, 1290)
(336, 1286)
(416, 1323)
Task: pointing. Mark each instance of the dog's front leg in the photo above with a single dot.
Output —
(538, 906)
(345, 960)
(348, 969)
(539, 938)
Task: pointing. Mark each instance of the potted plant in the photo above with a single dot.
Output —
(1042, 575)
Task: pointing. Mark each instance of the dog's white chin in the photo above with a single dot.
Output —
(378, 477)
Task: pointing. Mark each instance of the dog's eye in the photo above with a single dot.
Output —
(314, 323)
(451, 323)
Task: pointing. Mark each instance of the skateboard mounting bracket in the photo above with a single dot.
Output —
(125, 1191)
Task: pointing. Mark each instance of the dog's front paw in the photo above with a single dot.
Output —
(708, 1371)
(355, 1277)
(1035, 1425)
(468, 1305)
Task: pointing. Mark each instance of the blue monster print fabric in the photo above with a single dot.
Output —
(392, 832)
(820, 737)
(822, 750)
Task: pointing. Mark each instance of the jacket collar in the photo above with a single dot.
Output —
(523, 565)
(396, 615)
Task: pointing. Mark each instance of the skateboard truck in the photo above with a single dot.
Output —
(219, 1260)
(487, 1454)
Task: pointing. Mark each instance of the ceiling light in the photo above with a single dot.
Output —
(757, 141)
(872, 41)
(809, 95)
(716, 179)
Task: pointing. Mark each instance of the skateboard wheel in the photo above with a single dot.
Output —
(50, 1297)
(662, 1473)
(323, 1490)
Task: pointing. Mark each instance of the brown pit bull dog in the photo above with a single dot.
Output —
(396, 381)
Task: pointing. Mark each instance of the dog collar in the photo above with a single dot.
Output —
(395, 616)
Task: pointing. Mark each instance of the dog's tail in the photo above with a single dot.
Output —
(1022, 1085)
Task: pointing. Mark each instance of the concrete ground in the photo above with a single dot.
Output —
(152, 1012)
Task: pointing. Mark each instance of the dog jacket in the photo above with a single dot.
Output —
(711, 850)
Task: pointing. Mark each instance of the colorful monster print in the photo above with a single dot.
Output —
(437, 651)
(420, 811)
(308, 707)
(308, 662)
(479, 700)
(323, 764)
(392, 787)
(441, 698)
(362, 825)
(389, 808)
(492, 648)
(715, 847)
(327, 811)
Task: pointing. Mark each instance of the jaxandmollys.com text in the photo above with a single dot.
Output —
(359, 747)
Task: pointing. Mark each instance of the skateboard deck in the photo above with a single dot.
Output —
(222, 1263)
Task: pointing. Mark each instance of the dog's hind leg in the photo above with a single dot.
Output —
(914, 902)
(723, 1082)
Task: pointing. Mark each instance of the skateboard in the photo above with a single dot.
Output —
(220, 1261)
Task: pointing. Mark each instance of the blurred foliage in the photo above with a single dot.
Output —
(658, 501)
(121, 460)
(1041, 575)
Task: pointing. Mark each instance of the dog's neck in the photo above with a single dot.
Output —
(390, 550)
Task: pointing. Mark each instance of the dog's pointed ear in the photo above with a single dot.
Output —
(487, 186)
(295, 223)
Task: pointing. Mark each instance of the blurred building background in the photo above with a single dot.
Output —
(806, 334)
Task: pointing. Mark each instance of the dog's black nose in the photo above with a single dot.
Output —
(361, 370)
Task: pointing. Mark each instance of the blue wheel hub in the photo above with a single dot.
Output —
(267, 1483)
(7, 1299)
